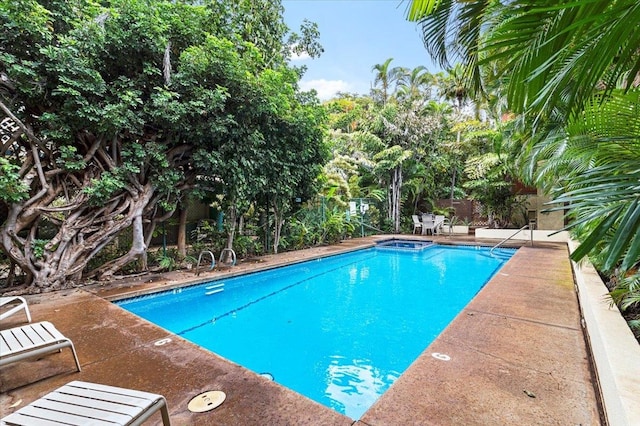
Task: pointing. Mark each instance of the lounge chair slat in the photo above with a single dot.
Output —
(110, 393)
(82, 411)
(9, 341)
(105, 396)
(21, 339)
(36, 335)
(61, 417)
(125, 409)
(4, 348)
(18, 419)
(46, 331)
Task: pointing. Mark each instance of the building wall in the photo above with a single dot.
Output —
(544, 220)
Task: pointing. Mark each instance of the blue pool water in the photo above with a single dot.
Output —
(339, 330)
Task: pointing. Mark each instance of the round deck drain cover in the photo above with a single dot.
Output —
(267, 376)
(206, 401)
(441, 357)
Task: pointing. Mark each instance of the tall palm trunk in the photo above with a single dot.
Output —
(453, 176)
(394, 198)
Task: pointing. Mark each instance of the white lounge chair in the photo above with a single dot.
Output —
(32, 340)
(83, 403)
(18, 304)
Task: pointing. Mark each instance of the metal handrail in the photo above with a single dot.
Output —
(511, 236)
(233, 255)
(213, 261)
(366, 225)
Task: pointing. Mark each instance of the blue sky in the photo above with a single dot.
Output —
(356, 35)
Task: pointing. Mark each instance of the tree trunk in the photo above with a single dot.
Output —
(138, 246)
(453, 185)
(241, 224)
(232, 225)
(453, 177)
(395, 188)
(278, 221)
(182, 232)
(12, 273)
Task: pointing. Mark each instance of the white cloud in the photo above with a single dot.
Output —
(326, 88)
(299, 56)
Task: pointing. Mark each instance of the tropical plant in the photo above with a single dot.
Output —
(414, 84)
(336, 226)
(452, 86)
(385, 77)
(572, 70)
(489, 183)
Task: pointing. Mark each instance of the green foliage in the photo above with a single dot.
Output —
(206, 232)
(594, 164)
(100, 190)
(626, 294)
(12, 188)
(38, 247)
(336, 226)
(69, 159)
(167, 262)
(301, 234)
(390, 158)
(135, 103)
(245, 246)
(489, 181)
(307, 41)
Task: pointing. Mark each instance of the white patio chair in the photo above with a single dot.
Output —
(84, 403)
(19, 303)
(32, 340)
(428, 224)
(417, 225)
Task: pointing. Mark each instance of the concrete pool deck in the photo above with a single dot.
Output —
(516, 355)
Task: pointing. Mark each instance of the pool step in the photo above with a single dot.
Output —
(213, 289)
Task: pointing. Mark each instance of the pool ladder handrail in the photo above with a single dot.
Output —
(511, 236)
(213, 260)
(233, 255)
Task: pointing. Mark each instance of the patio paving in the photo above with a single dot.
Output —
(516, 354)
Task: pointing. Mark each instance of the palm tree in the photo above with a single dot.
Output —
(414, 84)
(561, 59)
(452, 86)
(385, 76)
(572, 71)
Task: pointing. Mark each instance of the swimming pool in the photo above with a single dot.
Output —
(339, 330)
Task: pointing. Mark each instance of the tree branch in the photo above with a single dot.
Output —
(27, 131)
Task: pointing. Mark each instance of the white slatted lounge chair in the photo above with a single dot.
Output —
(11, 300)
(32, 340)
(83, 403)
